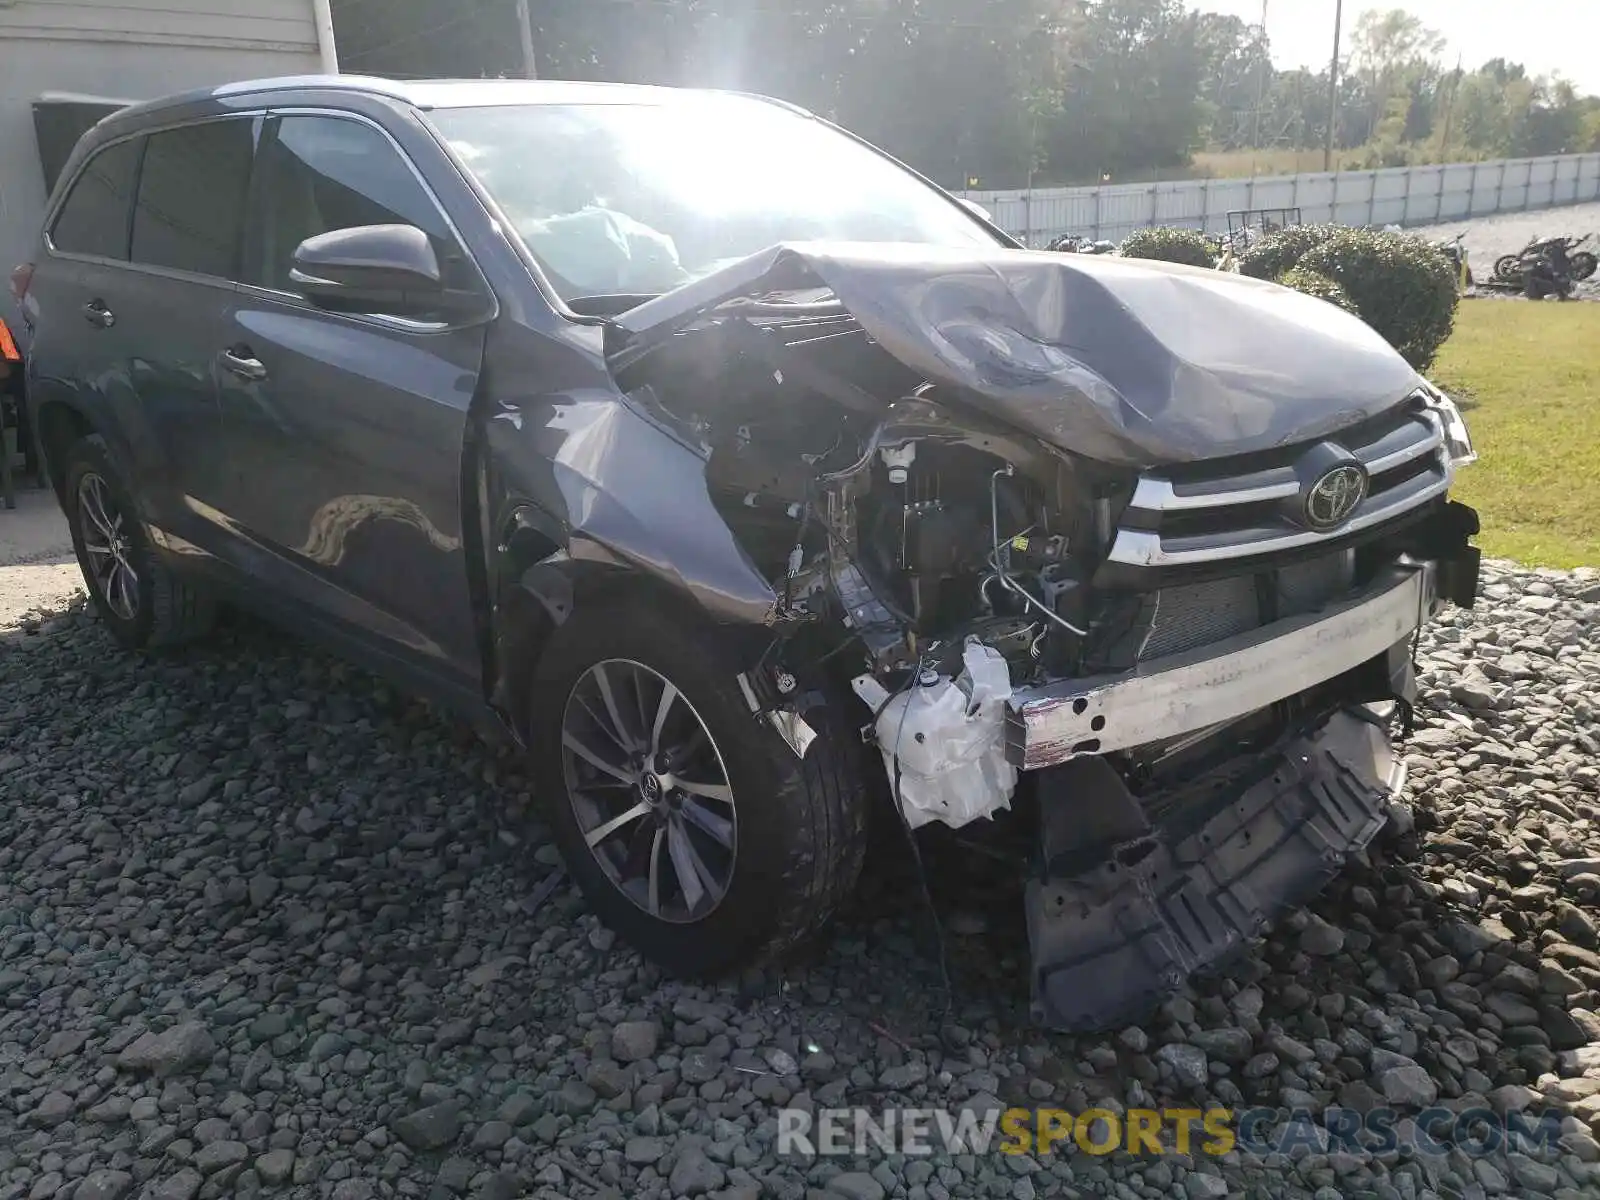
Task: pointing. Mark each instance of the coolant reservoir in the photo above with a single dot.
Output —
(949, 738)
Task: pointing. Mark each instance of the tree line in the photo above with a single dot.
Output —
(1010, 92)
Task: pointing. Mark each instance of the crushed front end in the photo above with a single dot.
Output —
(1077, 564)
(1198, 683)
(1223, 758)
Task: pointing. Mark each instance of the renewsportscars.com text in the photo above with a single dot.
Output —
(862, 1132)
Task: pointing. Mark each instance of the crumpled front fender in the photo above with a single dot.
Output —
(618, 488)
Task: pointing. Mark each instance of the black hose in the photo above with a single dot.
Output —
(911, 837)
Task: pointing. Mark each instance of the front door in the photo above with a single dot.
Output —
(345, 433)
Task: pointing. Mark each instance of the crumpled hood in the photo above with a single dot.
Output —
(1124, 361)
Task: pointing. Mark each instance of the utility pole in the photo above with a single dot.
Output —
(1450, 112)
(1261, 85)
(322, 12)
(1333, 86)
(530, 67)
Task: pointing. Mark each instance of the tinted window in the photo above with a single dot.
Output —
(94, 219)
(324, 173)
(191, 197)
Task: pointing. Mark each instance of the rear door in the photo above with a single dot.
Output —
(345, 433)
(171, 316)
(131, 303)
(132, 296)
(75, 345)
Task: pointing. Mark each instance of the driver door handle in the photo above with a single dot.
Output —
(96, 313)
(238, 360)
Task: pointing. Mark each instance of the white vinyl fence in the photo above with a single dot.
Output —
(1399, 196)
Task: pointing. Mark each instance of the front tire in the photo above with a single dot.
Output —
(142, 601)
(694, 829)
(1507, 267)
(1584, 264)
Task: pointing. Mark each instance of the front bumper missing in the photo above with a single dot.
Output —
(1112, 942)
(1184, 693)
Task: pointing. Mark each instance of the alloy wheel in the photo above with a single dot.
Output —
(649, 790)
(108, 541)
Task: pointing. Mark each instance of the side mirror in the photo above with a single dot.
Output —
(370, 269)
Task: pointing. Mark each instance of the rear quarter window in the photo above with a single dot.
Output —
(94, 217)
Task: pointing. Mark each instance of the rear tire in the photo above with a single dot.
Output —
(1505, 268)
(1584, 264)
(143, 602)
(795, 828)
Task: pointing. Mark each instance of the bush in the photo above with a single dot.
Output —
(1320, 286)
(1281, 251)
(1186, 246)
(1400, 285)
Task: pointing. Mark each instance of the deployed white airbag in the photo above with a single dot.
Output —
(599, 250)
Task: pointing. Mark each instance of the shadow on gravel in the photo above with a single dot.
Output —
(357, 900)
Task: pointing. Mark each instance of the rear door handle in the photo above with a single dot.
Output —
(239, 361)
(96, 313)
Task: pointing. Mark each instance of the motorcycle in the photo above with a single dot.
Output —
(1584, 262)
(1455, 250)
(1548, 257)
(1071, 243)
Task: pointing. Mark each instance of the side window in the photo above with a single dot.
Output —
(94, 219)
(192, 189)
(324, 173)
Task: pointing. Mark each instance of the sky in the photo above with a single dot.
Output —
(1547, 36)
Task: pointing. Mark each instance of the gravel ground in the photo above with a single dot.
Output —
(267, 926)
(1507, 233)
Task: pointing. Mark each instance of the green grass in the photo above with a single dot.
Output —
(1528, 377)
(1239, 164)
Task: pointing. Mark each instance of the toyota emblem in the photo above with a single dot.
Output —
(1334, 496)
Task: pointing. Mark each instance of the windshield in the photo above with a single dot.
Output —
(640, 198)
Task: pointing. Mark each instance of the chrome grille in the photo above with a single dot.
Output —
(1214, 513)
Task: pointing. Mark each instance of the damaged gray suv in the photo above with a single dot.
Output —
(747, 480)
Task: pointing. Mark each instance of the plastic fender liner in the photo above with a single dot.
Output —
(1111, 943)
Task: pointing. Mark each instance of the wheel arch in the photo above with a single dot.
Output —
(543, 580)
(58, 425)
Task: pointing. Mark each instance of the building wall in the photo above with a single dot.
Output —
(128, 50)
